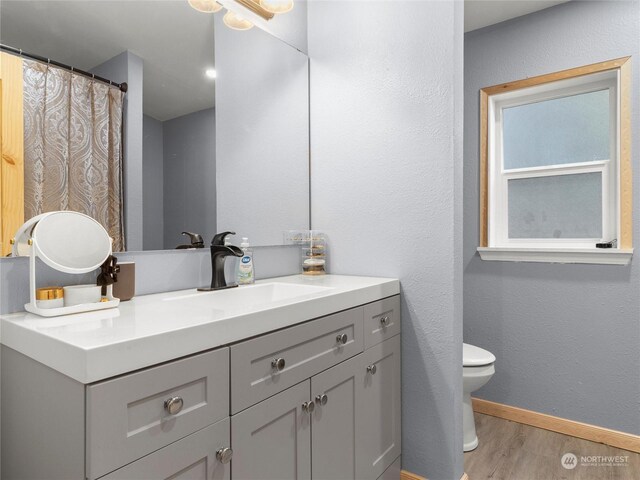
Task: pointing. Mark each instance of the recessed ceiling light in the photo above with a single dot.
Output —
(210, 73)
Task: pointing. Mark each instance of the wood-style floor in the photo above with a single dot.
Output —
(512, 451)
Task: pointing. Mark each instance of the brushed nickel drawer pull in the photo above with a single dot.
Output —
(224, 455)
(342, 339)
(173, 405)
(308, 407)
(322, 399)
(278, 364)
(384, 321)
(372, 369)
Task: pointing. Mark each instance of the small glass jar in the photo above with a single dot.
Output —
(314, 254)
(313, 250)
(50, 297)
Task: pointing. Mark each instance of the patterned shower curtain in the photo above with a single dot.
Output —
(73, 146)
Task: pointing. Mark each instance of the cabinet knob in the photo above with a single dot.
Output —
(372, 369)
(384, 321)
(342, 339)
(322, 399)
(278, 364)
(224, 455)
(308, 407)
(173, 405)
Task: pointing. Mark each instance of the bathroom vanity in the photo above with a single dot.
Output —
(289, 378)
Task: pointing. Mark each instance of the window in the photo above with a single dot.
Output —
(556, 167)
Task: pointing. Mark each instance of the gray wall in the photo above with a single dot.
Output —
(262, 114)
(386, 186)
(189, 177)
(566, 337)
(152, 185)
(155, 272)
(127, 67)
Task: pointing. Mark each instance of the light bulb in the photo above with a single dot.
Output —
(277, 6)
(210, 73)
(236, 22)
(206, 6)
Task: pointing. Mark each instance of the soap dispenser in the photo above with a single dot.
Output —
(246, 274)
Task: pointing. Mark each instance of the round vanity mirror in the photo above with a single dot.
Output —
(20, 244)
(71, 242)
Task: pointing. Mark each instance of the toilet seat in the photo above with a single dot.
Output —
(473, 356)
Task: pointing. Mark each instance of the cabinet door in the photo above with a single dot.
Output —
(192, 458)
(378, 413)
(272, 440)
(333, 430)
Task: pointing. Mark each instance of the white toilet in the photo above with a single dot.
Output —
(477, 369)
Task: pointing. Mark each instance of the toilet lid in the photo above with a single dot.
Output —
(473, 356)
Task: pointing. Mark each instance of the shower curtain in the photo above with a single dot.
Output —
(73, 146)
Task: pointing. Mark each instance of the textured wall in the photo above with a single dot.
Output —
(189, 177)
(128, 67)
(566, 337)
(386, 84)
(152, 185)
(262, 146)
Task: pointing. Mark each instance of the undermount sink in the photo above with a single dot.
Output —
(252, 295)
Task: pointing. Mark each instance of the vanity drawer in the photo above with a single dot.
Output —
(193, 458)
(305, 349)
(381, 320)
(127, 417)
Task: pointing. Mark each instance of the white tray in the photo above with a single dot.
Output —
(83, 307)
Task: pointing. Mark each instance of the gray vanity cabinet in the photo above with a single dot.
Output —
(271, 440)
(192, 458)
(356, 422)
(315, 401)
(128, 417)
(334, 429)
(378, 416)
(342, 422)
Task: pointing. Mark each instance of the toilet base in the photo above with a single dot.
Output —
(467, 447)
(473, 378)
(470, 439)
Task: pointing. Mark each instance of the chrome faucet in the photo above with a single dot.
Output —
(219, 251)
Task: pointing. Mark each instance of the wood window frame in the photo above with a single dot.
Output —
(620, 255)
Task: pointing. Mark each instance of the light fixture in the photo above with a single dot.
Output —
(210, 73)
(236, 22)
(254, 7)
(277, 6)
(206, 6)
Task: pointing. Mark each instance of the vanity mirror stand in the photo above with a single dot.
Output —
(68, 242)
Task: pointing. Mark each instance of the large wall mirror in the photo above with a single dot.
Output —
(212, 133)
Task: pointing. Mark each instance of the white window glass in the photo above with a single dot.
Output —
(558, 206)
(564, 130)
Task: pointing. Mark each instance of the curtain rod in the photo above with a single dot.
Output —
(17, 51)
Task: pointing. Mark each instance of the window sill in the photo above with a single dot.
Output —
(599, 256)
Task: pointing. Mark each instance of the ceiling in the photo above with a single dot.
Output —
(175, 41)
(482, 13)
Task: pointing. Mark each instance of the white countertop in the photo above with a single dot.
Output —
(152, 329)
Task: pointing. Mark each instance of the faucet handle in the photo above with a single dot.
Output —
(218, 238)
(195, 238)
